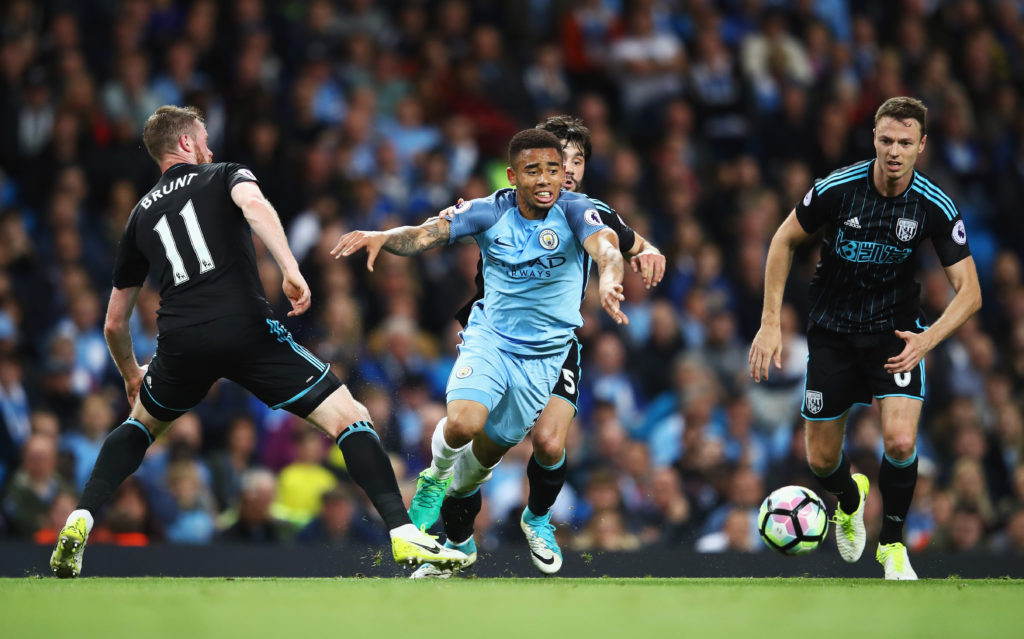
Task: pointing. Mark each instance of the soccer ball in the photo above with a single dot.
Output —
(792, 520)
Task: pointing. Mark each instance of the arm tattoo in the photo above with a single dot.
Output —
(410, 240)
(609, 257)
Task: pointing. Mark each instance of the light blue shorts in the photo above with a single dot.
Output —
(514, 388)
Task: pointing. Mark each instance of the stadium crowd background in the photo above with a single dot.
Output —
(709, 121)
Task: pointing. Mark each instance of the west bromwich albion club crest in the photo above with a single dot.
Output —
(548, 239)
(814, 402)
(906, 229)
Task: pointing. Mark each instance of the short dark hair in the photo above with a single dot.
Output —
(571, 129)
(166, 125)
(904, 108)
(531, 139)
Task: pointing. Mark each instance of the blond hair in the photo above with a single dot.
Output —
(166, 125)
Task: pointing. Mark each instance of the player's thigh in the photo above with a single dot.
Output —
(834, 379)
(552, 427)
(179, 375)
(279, 371)
(480, 375)
(900, 416)
(531, 380)
(884, 384)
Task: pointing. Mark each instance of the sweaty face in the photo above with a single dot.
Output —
(575, 165)
(203, 153)
(897, 145)
(538, 176)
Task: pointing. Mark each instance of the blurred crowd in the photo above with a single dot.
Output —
(709, 121)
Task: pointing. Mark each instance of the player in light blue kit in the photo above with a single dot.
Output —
(535, 242)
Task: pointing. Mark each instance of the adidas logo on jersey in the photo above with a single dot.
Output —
(853, 223)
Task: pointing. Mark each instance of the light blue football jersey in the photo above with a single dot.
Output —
(535, 271)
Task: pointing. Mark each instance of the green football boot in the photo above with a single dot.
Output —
(426, 503)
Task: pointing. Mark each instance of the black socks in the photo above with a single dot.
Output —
(458, 515)
(896, 481)
(120, 456)
(840, 483)
(369, 466)
(545, 484)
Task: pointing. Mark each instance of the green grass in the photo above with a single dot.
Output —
(493, 608)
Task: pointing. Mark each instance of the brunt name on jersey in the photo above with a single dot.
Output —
(167, 189)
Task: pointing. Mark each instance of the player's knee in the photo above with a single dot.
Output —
(822, 462)
(460, 429)
(548, 447)
(462, 426)
(899, 446)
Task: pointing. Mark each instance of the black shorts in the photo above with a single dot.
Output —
(843, 370)
(258, 353)
(568, 385)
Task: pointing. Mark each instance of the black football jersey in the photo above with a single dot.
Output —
(611, 219)
(865, 282)
(195, 245)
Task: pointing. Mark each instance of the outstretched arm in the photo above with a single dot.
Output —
(264, 222)
(403, 240)
(646, 259)
(767, 346)
(964, 277)
(603, 247)
(119, 338)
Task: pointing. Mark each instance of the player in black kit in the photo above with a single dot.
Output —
(866, 336)
(192, 234)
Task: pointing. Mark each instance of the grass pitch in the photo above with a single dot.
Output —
(495, 608)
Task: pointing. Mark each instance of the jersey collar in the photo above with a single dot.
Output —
(175, 166)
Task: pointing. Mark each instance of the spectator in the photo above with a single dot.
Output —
(302, 483)
(96, 419)
(254, 522)
(34, 487)
(192, 523)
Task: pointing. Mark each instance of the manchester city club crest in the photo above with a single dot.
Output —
(906, 229)
(814, 402)
(548, 239)
(464, 372)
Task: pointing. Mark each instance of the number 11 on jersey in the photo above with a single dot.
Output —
(195, 236)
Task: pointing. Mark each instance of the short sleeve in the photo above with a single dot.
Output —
(473, 217)
(237, 174)
(611, 219)
(130, 265)
(950, 239)
(811, 211)
(583, 218)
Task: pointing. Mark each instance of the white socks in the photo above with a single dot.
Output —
(444, 456)
(75, 514)
(469, 474)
